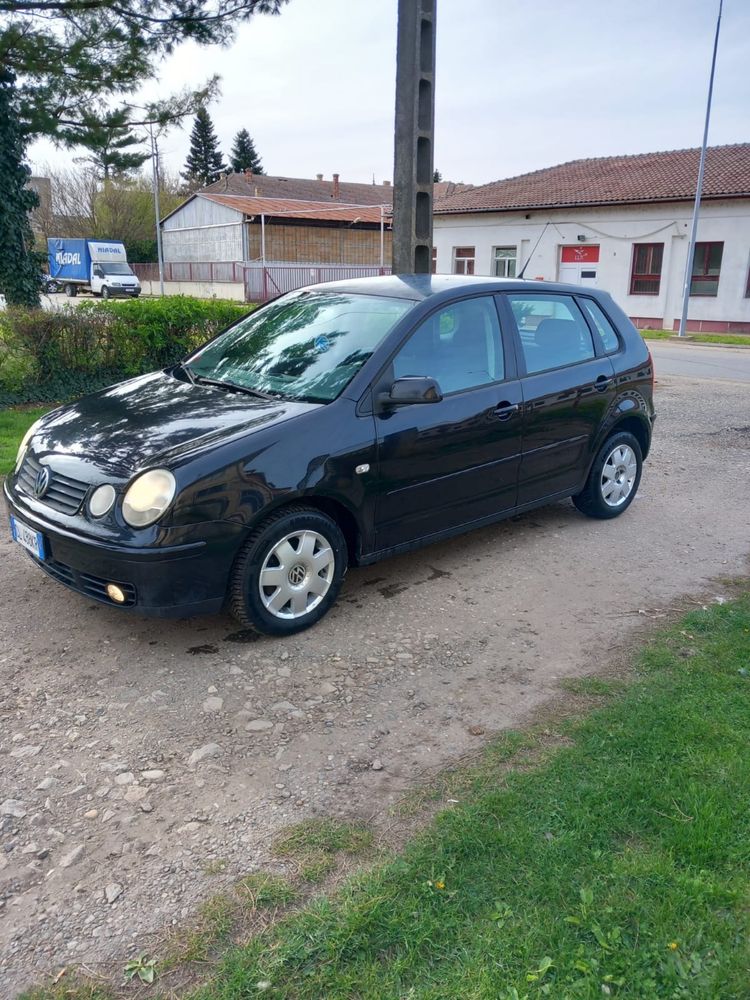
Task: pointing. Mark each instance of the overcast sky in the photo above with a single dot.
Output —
(521, 84)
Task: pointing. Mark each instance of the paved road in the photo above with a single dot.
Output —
(700, 362)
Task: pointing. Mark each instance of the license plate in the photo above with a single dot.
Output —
(28, 537)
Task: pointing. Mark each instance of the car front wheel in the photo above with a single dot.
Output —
(614, 478)
(289, 572)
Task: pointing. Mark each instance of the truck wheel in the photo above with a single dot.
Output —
(71, 291)
(105, 293)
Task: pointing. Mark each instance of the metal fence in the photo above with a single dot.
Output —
(266, 282)
(216, 270)
(261, 281)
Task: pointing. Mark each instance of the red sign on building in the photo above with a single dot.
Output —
(585, 253)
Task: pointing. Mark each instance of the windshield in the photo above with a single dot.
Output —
(307, 345)
(110, 268)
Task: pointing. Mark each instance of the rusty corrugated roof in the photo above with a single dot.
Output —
(293, 208)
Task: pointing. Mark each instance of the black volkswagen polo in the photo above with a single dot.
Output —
(339, 424)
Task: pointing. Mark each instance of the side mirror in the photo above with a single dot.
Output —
(413, 389)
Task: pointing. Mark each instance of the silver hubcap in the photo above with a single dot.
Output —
(618, 475)
(297, 574)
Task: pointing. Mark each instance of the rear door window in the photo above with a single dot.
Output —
(552, 331)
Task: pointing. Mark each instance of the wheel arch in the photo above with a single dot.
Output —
(333, 508)
(635, 425)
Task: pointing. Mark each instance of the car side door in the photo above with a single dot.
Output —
(455, 460)
(568, 386)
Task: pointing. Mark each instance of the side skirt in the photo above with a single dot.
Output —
(368, 558)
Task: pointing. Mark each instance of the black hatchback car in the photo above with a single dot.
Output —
(336, 425)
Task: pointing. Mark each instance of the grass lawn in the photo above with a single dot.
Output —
(699, 338)
(612, 859)
(619, 867)
(13, 425)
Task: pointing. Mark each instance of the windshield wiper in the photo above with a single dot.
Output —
(228, 386)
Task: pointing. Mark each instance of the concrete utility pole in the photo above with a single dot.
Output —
(414, 137)
(699, 190)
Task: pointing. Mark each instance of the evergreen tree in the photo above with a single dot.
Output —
(110, 142)
(61, 59)
(20, 266)
(437, 177)
(243, 155)
(204, 163)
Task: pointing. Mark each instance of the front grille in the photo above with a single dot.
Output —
(63, 493)
(86, 583)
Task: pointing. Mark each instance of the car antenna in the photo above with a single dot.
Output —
(523, 269)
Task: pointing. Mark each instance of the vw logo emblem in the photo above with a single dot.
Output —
(42, 482)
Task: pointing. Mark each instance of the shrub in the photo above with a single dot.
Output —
(54, 356)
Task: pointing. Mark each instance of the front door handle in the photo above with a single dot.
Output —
(603, 383)
(505, 410)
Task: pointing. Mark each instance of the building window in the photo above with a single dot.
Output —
(706, 269)
(463, 260)
(645, 277)
(505, 262)
(434, 260)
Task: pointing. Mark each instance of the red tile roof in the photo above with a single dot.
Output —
(301, 188)
(296, 209)
(613, 180)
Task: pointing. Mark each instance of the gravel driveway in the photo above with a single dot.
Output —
(134, 752)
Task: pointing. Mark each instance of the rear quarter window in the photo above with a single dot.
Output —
(607, 332)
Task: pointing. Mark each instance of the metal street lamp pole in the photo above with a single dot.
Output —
(696, 209)
(155, 174)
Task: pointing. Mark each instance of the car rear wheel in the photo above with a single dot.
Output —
(614, 478)
(71, 291)
(289, 572)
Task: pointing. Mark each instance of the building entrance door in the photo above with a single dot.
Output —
(579, 264)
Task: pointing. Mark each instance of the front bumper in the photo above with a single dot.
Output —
(175, 581)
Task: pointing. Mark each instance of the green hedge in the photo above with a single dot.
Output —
(57, 355)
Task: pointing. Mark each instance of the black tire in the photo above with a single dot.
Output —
(105, 293)
(71, 291)
(590, 500)
(244, 594)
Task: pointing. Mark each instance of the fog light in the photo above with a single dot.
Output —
(115, 593)
(101, 500)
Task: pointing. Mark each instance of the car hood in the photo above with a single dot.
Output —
(154, 419)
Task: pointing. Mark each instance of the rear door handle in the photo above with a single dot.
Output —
(603, 383)
(505, 410)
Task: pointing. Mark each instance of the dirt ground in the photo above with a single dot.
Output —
(134, 752)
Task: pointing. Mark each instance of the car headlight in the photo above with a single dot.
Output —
(25, 443)
(148, 497)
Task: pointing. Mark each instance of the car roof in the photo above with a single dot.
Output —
(418, 287)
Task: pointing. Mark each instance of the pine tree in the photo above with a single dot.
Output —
(243, 155)
(204, 163)
(437, 177)
(112, 144)
(20, 266)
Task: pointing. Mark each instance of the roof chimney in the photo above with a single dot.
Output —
(318, 177)
(335, 187)
(248, 172)
(386, 184)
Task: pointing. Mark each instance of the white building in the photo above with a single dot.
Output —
(621, 223)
